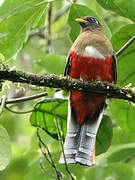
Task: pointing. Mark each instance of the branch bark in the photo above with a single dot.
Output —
(66, 83)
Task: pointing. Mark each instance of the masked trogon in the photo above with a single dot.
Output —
(91, 58)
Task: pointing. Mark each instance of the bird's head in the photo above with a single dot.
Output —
(88, 23)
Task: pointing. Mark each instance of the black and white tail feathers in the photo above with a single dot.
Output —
(79, 146)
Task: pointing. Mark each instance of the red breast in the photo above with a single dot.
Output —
(91, 69)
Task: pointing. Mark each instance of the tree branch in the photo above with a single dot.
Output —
(49, 31)
(66, 83)
(125, 46)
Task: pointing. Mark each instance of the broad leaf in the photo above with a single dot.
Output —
(48, 111)
(16, 21)
(121, 7)
(122, 137)
(126, 65)
(117, 171)
(77, 11)
(124, 154)
(124, 114)
(5, 149)
(35, 171)
(104, 135)
(53, 63)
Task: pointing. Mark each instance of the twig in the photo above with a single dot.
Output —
(119, 52)
(18, 112)
(129, 158)
(48, 37)
(40, 33)
(50, 159)
(23, 99)
(61, 143)
(3, 101)
(44, 170)
(60, 13)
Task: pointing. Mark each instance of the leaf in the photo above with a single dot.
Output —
(77, 11)
(16, 22)
(34, 170)
(122, 137)
(45, 111)
(121, 7)
(5, 149)
(123, 113)
(126, 65)
(122, 155)
(53, 63)
(104, 135)
(118, 171)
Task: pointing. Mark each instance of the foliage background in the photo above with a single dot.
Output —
(23, 47)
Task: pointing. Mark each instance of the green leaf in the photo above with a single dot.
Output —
(53, 63)
(104, 135)
(77, 11)
(121, 7)
(45, 111)
(118, 171)
(122, 137)
(5, 149)
(126, 65)
(35, 171)
(16, 22)
(122, 155)
(123, 113)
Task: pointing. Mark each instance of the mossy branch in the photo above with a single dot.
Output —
(66, 83)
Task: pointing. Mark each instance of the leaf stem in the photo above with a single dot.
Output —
(3, 101)
(49, 157)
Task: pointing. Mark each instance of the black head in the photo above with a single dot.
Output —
(89, 23)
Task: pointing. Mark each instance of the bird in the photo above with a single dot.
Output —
(91, 58)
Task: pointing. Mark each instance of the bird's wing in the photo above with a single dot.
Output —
(66, 72)
(114, 63)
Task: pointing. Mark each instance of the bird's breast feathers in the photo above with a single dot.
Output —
(90, 51)
(91, 65)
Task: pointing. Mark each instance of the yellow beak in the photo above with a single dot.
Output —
(79, 20)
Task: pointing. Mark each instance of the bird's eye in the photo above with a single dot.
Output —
(94, 20)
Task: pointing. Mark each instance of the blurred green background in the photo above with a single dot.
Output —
(28, 46)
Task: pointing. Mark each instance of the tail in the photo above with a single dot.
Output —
(71, 140)
(79, 146)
